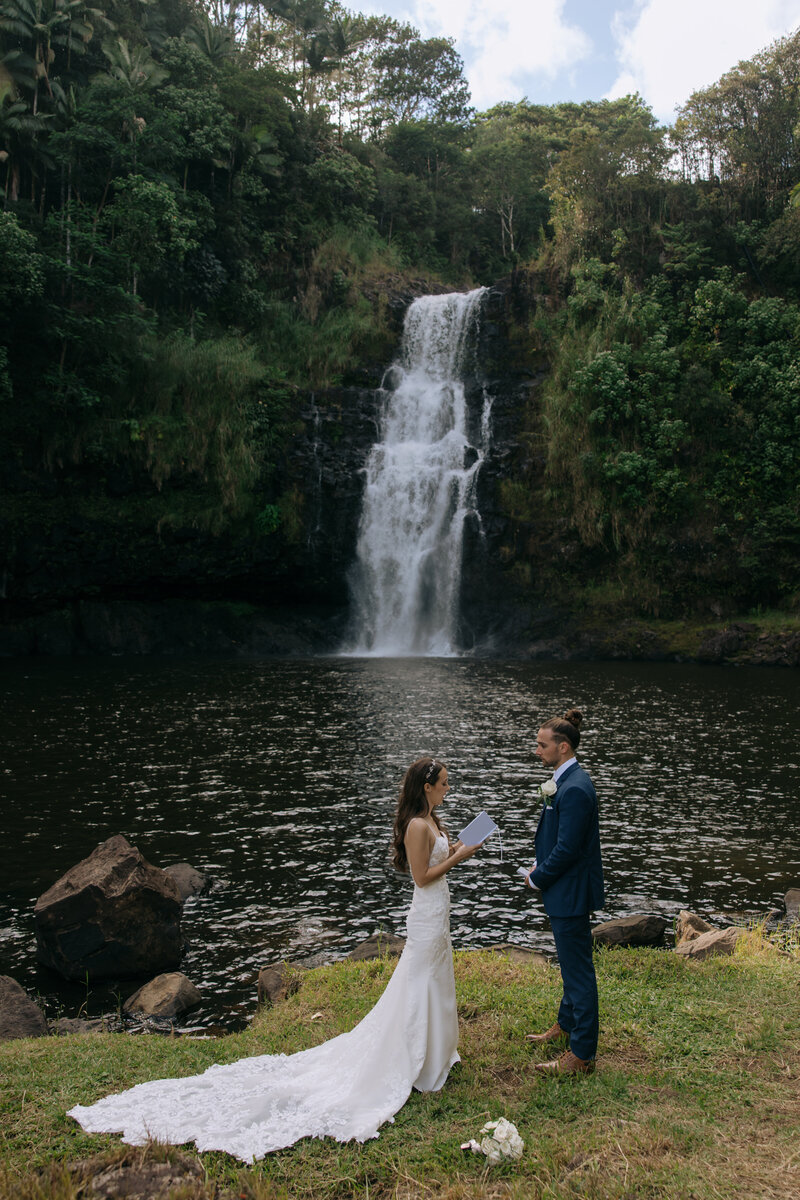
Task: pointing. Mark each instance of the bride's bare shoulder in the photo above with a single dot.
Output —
(418, 828)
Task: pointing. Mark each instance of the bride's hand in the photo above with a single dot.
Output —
(460, 852)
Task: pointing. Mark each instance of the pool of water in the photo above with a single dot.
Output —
(278, 780)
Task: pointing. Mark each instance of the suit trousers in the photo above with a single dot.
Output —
(578, 1013)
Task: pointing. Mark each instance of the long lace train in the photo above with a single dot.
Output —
(346, 1088)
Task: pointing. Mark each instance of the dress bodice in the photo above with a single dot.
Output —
(440, 851)
(434, 897)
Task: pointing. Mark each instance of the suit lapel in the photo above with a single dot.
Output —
(545, 806)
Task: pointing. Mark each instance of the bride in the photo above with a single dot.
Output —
(349, 1086)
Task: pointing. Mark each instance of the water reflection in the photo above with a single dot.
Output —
(278, 780)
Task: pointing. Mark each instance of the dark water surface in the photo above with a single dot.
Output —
(278, 780)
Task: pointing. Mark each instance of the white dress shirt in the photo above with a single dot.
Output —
(564, 767)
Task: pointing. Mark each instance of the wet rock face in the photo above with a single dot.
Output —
(490, 614)
(340, 427)
(112, 915)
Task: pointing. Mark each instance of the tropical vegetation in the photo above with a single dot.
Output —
(202, 205)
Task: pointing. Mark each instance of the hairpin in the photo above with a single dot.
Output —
(430, 770)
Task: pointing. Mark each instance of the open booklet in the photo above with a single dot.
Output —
(478, 830)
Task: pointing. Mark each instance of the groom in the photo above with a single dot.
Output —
(569, 873)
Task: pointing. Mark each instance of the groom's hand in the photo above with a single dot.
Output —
(528, 883)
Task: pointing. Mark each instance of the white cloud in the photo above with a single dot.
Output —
(667, 49)
(505, 44)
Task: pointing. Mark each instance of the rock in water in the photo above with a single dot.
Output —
(642, 929)
(165, 996)
(378, 946)
(19, 1016)
(112, 915)
(190, 882)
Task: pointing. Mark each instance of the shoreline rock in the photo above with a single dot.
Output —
(713, 943)
(20, 1017)
(639, 929)
(379, 945)
(167, 995)
(689, 927)
(278, 981)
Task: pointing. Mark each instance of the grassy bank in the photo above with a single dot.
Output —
(769, 638)
(697, 1092)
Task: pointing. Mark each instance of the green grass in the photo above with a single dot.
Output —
(697, 1092)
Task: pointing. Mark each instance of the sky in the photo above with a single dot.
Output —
(554, 50)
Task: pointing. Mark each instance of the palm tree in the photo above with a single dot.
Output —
(19, 138)
(46, 25)
(215, 41)
(345, 35)
(136, 69)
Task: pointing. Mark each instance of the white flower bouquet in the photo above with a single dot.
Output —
(500, 1141)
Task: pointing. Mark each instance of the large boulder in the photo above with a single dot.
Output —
(165, 996)
(641, 929)
(707, 945)
(792, 902)
(19, 1016)
(689, 926)
(112, 915)
(380, 945)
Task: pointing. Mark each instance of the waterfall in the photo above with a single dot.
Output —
(420, 486)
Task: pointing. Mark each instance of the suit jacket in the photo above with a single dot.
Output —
(569, 867)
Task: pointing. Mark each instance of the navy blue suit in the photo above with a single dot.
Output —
(569, 873)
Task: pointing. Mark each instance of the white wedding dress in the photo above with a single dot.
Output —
(346, 1088)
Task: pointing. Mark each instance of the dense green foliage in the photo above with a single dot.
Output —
(202, 206)
(671, 415)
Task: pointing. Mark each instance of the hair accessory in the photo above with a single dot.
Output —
(430, 770)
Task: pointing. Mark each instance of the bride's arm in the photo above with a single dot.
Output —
(418, 844)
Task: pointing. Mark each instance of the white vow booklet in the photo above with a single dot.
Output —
(478, 830)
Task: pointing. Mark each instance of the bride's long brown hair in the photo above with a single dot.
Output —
(413, 802)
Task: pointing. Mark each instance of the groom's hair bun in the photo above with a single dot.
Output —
(574, 716)
(567, 728)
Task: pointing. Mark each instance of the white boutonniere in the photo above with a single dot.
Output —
(547, 790)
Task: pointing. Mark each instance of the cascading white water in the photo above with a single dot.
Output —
(419, 489)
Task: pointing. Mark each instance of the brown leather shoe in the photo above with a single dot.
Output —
(567, 1064)
(554, 1034)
